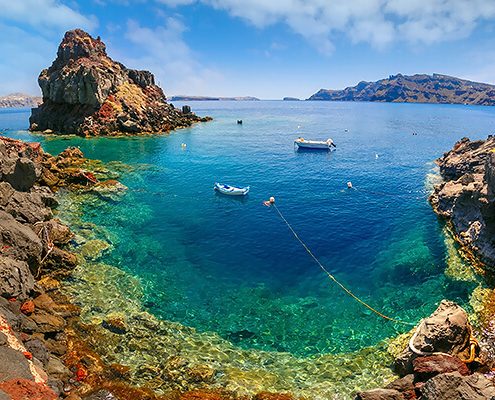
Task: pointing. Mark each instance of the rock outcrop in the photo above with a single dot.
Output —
(466, 197)
(87, 93)
(438, 363)
(34, 315)
(418, 88)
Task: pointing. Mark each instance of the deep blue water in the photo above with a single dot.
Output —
(231, 266)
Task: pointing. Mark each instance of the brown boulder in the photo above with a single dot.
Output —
(27, 207)
(48, 323)
(22, 175)
(19, 241)
(16, 279)
(427, 367)
(405, 386)
(447, 330)
(454, 386)
(58, 232)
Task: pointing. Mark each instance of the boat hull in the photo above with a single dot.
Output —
(315, 144)
(231, 190)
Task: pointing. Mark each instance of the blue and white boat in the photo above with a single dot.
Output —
(315, 144)
(231, 190)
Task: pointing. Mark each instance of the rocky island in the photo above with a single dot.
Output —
(87, 93)
(19, 100)
(419, 88)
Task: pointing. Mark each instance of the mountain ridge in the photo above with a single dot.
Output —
(418, 88)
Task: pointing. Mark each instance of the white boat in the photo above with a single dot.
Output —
(231, 190)
(315, 144)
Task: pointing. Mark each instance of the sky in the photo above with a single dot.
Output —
(264, 48)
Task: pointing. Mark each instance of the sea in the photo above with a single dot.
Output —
(230, 268)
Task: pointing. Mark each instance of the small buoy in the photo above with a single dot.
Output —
(183, 145)
(269, 202)
(346, 130)
(239, 122)
(349, 185)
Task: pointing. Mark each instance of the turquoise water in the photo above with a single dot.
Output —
(231, 266)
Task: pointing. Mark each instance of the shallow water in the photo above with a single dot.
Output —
(231, 267)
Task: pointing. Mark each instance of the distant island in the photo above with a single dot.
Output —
(418, 88)
(291, 99)
(19, 100)
(208, 98)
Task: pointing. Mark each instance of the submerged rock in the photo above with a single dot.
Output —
(380, 394)
(85, 92)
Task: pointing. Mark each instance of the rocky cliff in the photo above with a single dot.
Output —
(419, 88)
(19, 100)
(87, 93)
(466, 198)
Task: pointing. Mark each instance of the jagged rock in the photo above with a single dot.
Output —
(405, 386)
(454, 386)
(13, 365)
(24, 206)
(466, 198)
(427, 367)
(87, 93)
(16, 279)
(48, 323)
(19, 241)
(447, 330)
(57, 369)
(38, 350)
(380, 394)
(58, 232)
(21, 175)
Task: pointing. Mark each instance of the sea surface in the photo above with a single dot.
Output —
(232, 267)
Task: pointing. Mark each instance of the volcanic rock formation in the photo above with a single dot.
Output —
(466, 198)
(87, 93)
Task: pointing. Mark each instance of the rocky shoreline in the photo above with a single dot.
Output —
(49, 352)
(466, 199)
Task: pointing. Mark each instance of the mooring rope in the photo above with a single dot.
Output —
(344, 288)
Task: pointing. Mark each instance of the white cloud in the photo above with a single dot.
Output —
(44, 14)
(30, 33)
(377, 22)
(164, 52)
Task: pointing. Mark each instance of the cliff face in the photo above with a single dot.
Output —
(399, 88)
(466, 198)
(87, 93)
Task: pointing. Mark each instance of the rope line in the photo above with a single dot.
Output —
(344, 288)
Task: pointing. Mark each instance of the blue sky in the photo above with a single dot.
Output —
(264, 48)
